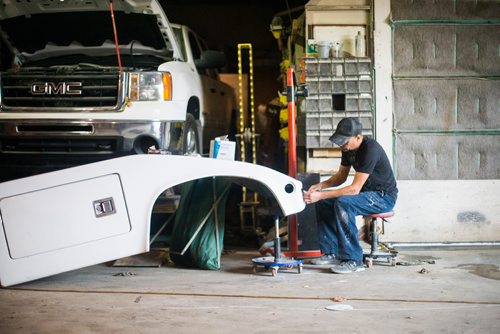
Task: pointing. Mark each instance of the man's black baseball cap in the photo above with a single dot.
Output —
(347, 128)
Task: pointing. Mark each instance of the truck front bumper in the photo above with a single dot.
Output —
(29, 147)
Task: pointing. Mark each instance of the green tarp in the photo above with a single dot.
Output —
(196, 207)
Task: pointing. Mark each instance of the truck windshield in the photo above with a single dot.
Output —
(81, 30)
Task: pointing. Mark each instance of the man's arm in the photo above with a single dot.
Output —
(335, 180)
(353, 189)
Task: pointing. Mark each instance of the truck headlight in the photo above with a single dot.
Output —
(150, 86)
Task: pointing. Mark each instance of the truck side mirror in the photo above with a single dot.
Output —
(211, 59)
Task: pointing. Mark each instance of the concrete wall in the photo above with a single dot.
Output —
(446, 211)
(440, 118)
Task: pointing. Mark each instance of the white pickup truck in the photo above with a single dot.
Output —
(95, 80)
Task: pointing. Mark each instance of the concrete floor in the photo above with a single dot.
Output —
(459, 293)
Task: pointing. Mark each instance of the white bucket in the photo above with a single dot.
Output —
(324, 49)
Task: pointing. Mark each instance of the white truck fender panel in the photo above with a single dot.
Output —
(81, 216)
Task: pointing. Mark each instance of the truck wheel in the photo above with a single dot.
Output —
(191, 136)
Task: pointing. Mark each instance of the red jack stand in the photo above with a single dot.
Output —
(293, 237)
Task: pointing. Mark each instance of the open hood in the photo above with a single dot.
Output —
(37, 30)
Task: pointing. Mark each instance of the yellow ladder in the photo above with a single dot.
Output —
(247, 207)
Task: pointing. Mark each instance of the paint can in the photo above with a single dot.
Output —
(324, 49)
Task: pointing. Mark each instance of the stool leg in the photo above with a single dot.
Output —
(374, 236)
(376, 253)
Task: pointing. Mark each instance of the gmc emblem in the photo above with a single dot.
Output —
(59, 88)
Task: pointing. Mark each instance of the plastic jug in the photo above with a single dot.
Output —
(360, 45)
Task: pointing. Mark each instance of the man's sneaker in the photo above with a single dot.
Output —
(347, 267)
(325, 259)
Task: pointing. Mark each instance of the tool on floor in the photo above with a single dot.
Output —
(277, 261)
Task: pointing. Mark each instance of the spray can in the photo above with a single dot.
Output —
(360, 45)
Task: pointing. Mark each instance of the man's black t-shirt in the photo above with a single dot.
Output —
(370, 158)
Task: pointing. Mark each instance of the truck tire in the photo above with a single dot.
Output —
(191, 136)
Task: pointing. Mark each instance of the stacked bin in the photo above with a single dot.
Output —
(338, 88)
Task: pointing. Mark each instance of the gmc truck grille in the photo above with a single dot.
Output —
(101, 146)
(39, 90)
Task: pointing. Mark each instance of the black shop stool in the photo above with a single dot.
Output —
(379, 251)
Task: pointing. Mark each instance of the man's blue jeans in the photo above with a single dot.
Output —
(338, 234)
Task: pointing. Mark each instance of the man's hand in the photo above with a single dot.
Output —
(311, 196)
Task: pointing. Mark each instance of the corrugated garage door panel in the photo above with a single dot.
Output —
(446, 71)
(445, 9)
(444, 104)
(422, 49)
(447, 157)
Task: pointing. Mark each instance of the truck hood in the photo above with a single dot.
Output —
(35, 30)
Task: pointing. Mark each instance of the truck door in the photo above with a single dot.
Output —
(216, 110)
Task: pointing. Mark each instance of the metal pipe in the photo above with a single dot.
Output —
(277, 241)
(443, 244)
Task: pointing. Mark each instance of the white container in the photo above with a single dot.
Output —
(360, 45)
(324, 49)
(221, 148)
(337, 49)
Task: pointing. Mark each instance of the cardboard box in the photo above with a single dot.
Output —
(221, 148)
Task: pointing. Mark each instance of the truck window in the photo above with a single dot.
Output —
(195, 48)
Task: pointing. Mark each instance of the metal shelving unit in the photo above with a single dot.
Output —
(338, 88)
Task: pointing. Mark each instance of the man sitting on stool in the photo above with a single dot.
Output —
(373, 190)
